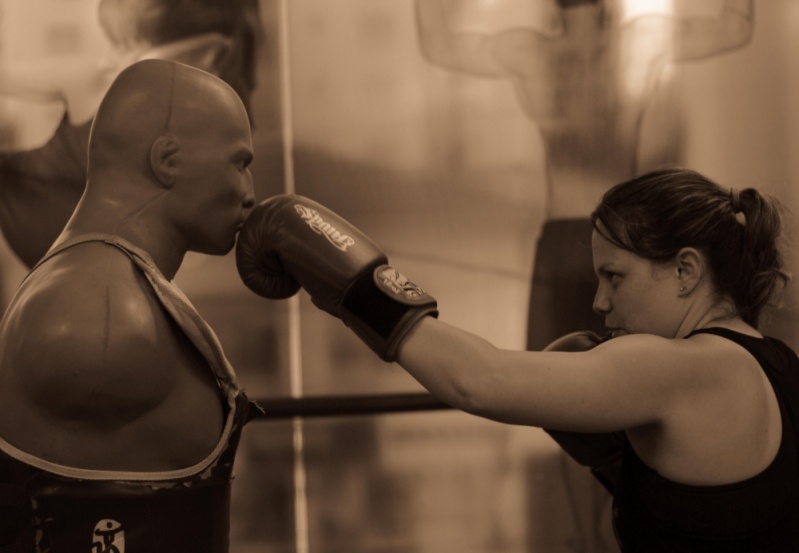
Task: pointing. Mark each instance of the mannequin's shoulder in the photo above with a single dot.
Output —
(84, 293)
(87, 320)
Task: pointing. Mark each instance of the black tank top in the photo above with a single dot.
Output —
(51, 508)
(758, 515)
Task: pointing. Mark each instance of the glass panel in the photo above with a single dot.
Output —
(470, 172)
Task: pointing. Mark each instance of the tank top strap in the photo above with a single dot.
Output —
(733, 336)
(171, 297)
(718, 331)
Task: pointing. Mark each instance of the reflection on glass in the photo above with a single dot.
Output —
(586, 83)
(453, 175)
(42, 184)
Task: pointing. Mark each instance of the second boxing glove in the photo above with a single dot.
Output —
(290, 241)
(600, 451)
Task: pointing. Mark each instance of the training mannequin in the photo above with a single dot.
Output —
(116, 401)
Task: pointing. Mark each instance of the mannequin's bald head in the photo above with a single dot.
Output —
(168, 163)
(151, 102)
(169, 152)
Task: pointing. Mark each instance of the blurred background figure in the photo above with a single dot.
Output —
(40, 186)
(586, 84)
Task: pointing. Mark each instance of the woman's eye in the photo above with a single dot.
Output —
(243, 163)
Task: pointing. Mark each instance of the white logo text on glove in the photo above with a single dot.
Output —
(319, 226)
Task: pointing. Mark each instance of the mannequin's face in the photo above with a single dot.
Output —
(216, 188)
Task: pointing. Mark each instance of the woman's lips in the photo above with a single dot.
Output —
(616, 332)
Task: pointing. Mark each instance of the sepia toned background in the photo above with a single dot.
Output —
(450, 175)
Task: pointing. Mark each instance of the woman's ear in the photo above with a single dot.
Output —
(165, 159)
(690, 269)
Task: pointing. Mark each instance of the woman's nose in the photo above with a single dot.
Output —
(601, 304)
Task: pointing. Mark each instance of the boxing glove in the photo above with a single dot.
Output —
(582, 340)
(289, 241)
(601, 451)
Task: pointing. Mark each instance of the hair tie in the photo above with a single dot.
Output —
(735, 201)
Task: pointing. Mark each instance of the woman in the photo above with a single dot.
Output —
(708, 405)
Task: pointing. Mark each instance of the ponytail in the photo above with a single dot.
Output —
(761, 262)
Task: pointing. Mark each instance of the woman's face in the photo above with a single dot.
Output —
(635, 295)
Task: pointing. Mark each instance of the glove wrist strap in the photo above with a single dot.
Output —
(382, 306)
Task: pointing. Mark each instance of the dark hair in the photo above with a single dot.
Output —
(657, 214)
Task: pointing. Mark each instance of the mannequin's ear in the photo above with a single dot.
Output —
(165, 159)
